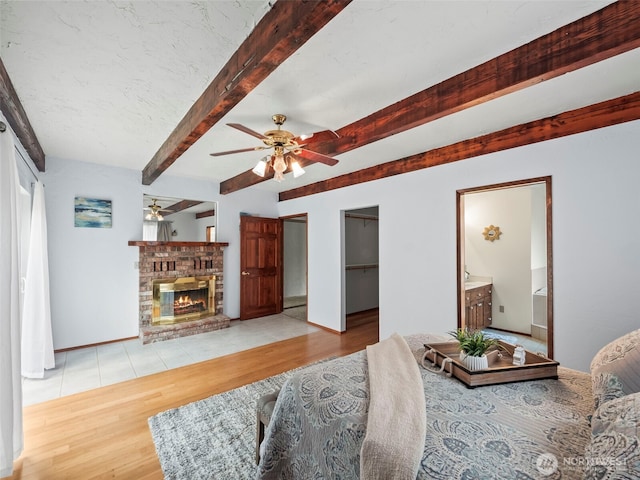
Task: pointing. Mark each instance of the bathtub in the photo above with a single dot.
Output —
(539, 316)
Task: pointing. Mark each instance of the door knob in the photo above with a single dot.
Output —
(245, 273)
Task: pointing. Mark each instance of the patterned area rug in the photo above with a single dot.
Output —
(212, 438)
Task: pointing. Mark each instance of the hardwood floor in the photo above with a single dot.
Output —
(103, 433)
(362, 318)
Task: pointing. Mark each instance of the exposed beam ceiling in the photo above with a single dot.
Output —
(608, 32)
(108, 81)
(282, 31)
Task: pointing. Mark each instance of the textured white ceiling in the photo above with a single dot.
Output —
(107, 81)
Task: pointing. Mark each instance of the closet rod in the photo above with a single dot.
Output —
(3, 128)
(361, 216)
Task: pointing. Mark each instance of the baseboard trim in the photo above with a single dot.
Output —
(94, 344)
(326, 329)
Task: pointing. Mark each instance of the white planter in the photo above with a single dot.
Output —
(476, 363)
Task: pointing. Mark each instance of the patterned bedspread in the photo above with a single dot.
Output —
(526, 430)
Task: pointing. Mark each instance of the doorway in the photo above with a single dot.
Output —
(295, 267)
(360, 261)
(505, 256)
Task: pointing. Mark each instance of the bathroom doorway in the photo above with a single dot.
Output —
(505, 254)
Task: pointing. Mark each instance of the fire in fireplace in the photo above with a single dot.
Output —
(182, 299)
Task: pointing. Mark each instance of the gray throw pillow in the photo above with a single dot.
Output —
(615, 369)
(614, 451)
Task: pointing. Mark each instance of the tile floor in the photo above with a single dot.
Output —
(92, 367)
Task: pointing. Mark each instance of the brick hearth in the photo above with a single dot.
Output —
(168, 260)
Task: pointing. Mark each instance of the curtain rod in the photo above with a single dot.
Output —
(3, 128)
(24, 160)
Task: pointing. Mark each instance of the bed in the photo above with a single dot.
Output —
(524, 430)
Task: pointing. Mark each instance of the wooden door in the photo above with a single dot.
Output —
(260, 266)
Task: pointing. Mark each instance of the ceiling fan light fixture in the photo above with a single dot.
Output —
(261, 167)
(154, 214)
(279, 166)
(283, 143)
(297, 169)
(154, 217)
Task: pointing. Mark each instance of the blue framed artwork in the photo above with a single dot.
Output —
(92, 213)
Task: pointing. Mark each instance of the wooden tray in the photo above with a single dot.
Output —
(501, 369)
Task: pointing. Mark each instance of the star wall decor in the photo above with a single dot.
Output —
(492, 233)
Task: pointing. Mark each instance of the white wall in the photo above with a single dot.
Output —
(596, 204)
(94, 285)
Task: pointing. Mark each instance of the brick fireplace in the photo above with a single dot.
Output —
(178, 263)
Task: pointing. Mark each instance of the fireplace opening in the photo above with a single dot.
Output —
(183, 299)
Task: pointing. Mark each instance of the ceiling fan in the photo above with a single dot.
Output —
(286, 148)
(154, 211)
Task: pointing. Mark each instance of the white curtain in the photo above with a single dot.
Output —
(11, 436)
(37, 339)
(150, 231)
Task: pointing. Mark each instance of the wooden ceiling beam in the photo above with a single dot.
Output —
(14, 113)
(603, 34)
(284, 29)
(180, 206)
(208, 213)
(603, 114)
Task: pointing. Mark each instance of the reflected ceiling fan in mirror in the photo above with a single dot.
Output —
(154, 211)
(287, 149)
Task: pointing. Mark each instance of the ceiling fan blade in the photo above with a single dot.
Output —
(244, 129)
(252, 149)
(317, 137)
(316, 157)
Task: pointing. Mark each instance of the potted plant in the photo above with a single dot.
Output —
(474, 346)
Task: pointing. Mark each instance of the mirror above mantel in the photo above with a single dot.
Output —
(178, 219)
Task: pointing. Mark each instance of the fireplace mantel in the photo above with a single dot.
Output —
(144, 243)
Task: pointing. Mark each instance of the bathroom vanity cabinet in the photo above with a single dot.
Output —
(478, 306)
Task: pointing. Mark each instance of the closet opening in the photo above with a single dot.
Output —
(360, 262)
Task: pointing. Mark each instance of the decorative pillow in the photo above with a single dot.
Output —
(615, 369)
(614, 451)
